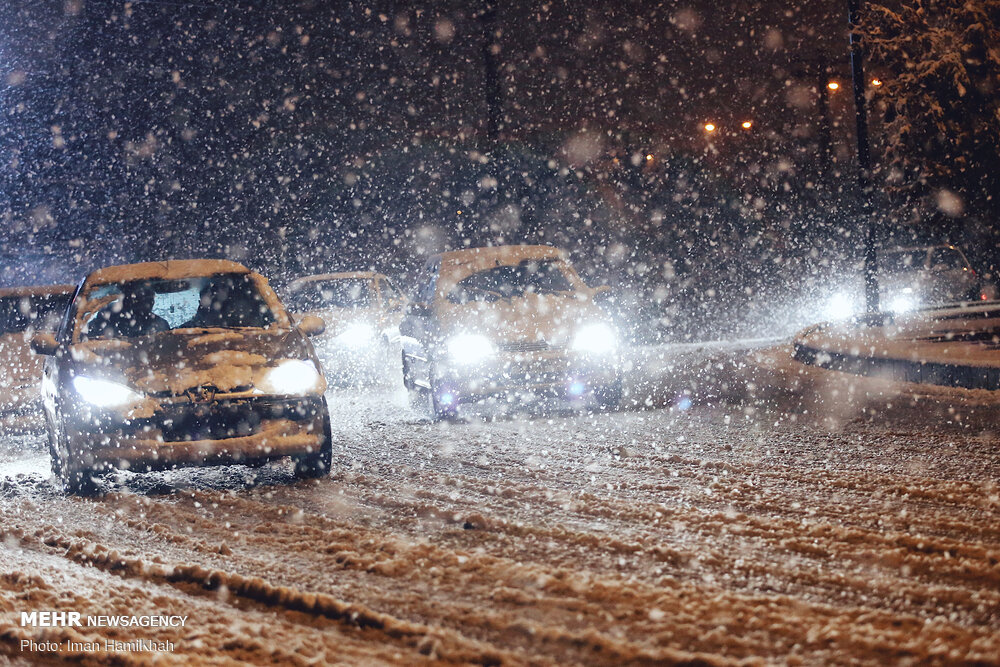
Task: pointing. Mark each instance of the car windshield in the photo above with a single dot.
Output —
(947, 259)
(40, 312)
(146, 307)
(502, 282)
(339, 293)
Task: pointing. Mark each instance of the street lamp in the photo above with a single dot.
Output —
(746, 125)
(876, 82)
(709, 127)
(833, 85)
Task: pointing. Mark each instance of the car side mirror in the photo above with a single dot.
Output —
(44, 343)
(311, 325)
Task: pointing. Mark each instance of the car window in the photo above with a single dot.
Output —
(38, 312)
(501, 282)
(146, 307)
(337, 293)
(390, 292)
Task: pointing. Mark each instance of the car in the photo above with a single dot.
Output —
(927, 276)
(362, 311)
(515, 321)
(915, 278)
(24, 311)
(181, 363)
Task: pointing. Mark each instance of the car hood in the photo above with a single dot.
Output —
(171, 363)
(533, 317)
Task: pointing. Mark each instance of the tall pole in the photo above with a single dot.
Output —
(864, 158)
(491, 75)
(824, 121)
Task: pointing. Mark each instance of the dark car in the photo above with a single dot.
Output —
(180, 363)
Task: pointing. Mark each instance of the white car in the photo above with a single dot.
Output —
(513, 321)
(362, 311)
(916, 278)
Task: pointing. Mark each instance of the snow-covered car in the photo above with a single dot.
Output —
(362, 311)
(515, 321)
(23, 312)
(178, 363)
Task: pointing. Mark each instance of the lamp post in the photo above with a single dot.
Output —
(864, 157)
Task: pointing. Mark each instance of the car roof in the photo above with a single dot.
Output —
(501, 254)
(921, 248)
(299, 282)
(37, 290)
(171, 270)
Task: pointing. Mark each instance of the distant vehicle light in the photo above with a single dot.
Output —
(598, 338)
(104, 393)
(357, 335)
(293, 377)
(467, 349)
(840, 307)
(904, 303)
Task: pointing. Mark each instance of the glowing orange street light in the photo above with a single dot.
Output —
(649, 157)
(709, 127)
(876, 82)
(833, 85)
(746, 125)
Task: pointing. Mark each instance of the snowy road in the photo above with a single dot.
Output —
(714, 522)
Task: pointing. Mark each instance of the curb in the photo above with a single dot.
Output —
(902, 370)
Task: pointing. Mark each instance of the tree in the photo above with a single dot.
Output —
(938, 103)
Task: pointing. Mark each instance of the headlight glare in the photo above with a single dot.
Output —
(596, 338)
(467, 349)
(840, 307)
(357, 335)
(294, 377)
(104, 393)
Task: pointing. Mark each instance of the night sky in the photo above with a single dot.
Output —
(321, 136)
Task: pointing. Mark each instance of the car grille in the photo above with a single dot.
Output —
(528, 346)
(210, 421)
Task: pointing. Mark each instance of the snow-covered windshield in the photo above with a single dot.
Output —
(502, 282)
(334, 293)
(41, 312)
(146, 307)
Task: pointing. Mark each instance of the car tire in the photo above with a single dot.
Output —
(609, 397)
(74, 481)
(318, 464)
(407, 374)
(439, 411)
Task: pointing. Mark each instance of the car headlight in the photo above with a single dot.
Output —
(904, 303)
(104, 393)
(357, 334)
(840, 307)
(597, 338)
(469, 349)
(293, 377)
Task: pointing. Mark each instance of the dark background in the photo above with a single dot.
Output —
(320, 136)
